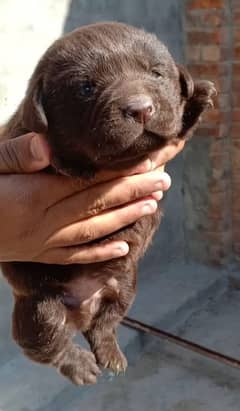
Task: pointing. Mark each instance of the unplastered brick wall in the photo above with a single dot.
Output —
(212, 160)
(235, 130)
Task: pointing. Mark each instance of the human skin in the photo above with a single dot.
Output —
(51, 219)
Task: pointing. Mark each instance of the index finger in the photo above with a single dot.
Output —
(161, 157)
(59, 187)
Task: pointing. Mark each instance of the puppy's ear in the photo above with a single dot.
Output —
(34, 116)
(186, 82)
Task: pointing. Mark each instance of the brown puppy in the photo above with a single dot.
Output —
(105, 95)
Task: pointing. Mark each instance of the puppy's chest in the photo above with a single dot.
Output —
(139, 234)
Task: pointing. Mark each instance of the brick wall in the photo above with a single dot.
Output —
(212, 51)
(235, 130)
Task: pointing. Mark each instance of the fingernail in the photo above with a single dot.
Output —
(121, 249)
(158, 195)
(163, 181)
(39, 148)
(149, 207)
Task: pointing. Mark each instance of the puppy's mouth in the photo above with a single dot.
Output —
(144, 144)
(86, 166)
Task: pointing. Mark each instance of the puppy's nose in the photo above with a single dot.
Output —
(140, 108)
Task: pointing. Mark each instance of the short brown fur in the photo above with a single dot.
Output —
(82, 95)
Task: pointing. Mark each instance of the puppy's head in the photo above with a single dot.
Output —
(106, 95)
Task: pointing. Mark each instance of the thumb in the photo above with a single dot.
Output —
(24, 154)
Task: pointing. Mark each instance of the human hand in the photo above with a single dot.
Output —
(160, 157)
(51, 219)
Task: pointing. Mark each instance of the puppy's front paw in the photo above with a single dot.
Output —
(80, 367)
(110, 356)
(204, 92)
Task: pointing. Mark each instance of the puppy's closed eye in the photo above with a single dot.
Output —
(157, 73)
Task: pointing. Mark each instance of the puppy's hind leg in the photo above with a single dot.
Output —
(40, 328)
(102, 334)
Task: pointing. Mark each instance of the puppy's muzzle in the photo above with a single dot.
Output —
(140, 108)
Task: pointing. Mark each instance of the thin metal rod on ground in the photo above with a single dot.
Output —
(206, 352)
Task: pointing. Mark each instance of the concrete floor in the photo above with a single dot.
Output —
(196, 304)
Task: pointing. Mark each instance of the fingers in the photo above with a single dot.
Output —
(62, 186)
(55, 188)
(84, 254)
(106, 175)
(102, 224)
(165, 178)
(65, 186)
(24, 154)
(158, 195)
(104, 196)
(166, 154)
